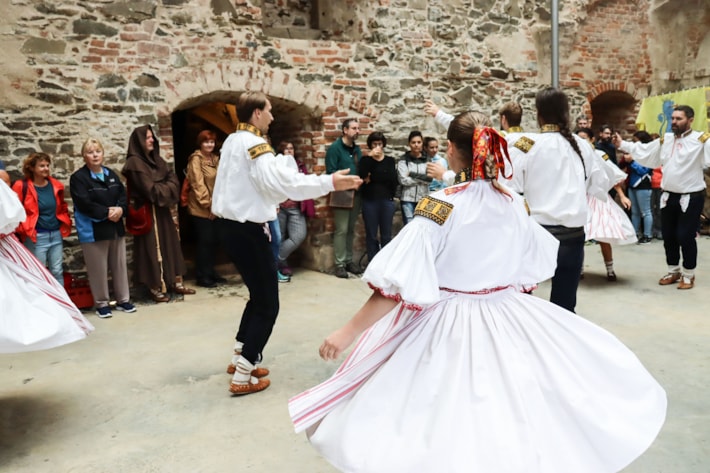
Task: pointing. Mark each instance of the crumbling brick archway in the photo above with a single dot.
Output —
(615, 104)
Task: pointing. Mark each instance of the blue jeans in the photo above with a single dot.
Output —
(407, 211)
(275, 230)
(641, 208)
(49, 251)
(377, 214)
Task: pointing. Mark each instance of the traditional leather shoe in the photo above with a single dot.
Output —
(256, 372)
(670, 278)
(248, 388)
(180, 289)
(611, 277)
(340, 272)
(159, 296)
(686, 283)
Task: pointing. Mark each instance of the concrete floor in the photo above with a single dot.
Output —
(147, 392)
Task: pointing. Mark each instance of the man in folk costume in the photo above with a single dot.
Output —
(554, 170)
(684, 154)
(510, 116)
(251, 182)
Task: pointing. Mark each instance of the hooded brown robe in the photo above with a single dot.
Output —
(157, 254)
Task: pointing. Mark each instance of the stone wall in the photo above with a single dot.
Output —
(73, 69)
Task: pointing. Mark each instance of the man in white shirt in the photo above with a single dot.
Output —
(251, 182)
(684, 154)
(554, 170)
(510, 116)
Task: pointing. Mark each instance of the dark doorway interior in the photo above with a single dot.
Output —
(216, 111)
(614, 108)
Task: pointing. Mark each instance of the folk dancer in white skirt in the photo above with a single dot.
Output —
(456, 368)
(37, 313)
(607, 223)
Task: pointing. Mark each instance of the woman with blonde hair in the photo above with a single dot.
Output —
(48, 219)
(99, 208)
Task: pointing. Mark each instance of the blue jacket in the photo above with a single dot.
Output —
(92, 198)
(637, 172)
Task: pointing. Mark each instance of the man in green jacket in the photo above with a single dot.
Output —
(345, 154)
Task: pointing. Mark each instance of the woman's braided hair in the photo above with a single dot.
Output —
(553, 109)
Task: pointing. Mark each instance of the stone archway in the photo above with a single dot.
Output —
(307, 115)
(615, 105)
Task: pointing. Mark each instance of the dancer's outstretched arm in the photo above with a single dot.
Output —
(376, 307)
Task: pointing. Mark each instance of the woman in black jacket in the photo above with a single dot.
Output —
(99, 206)
(380, 176)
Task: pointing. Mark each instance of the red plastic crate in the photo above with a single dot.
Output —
(78, 290)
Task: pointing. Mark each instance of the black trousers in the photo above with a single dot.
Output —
(207, 241)
(248, 247)
(570, 258)
(679, 229)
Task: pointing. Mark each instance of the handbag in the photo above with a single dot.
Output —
(342, 199)
(308, 208)
(139, 220)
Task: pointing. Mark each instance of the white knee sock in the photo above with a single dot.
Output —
(243, 373)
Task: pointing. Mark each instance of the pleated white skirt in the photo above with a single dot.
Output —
(497, 383)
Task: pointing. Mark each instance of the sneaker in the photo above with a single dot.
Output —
(353, 268)
(644, 240)
(126, 307)
(219, 279)
(281, 278)
(104, 312)
(285, 269)
(341, 272)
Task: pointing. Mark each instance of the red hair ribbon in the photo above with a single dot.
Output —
(487, 143)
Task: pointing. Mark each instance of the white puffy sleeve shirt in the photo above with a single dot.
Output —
(487, 242)
(683, 159)
(249, 189)
(12, 213)
(551, 176)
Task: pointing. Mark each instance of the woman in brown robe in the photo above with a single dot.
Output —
(157, 254)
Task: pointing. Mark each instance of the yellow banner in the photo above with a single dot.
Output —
(655, 112)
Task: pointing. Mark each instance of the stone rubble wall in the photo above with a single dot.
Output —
(74, 69)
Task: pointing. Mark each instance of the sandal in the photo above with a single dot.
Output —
(159, 296)
(180, 289)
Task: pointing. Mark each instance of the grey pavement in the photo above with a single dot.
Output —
(147, 392)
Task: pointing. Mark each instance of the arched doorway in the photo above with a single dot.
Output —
(216, 111)
(615, 108)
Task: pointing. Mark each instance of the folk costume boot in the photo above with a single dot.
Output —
(672, 277)
(687, 279)
(243, 382)
(232, 367)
